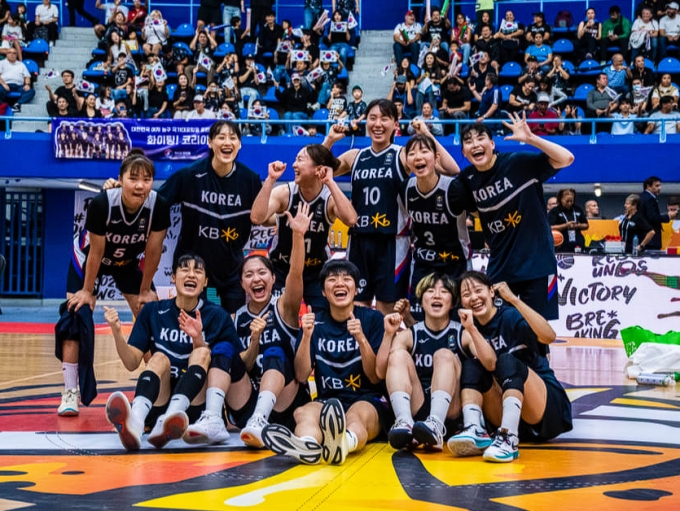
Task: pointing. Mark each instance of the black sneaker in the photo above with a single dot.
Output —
(16, 108)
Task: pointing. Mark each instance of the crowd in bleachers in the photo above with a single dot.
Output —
(600, 67)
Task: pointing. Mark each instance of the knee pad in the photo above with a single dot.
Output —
(274, 358)
(474, 376)
(222, 356)
(191, 382)
(148, 385)
(510, 372)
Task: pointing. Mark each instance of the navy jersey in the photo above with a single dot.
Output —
(215, 216)
(426, 343)
(317, 251)
(509, 198)
(277, 334)
(157, 329)
(377, 179)
(126, 235)
(440, 238)
(336, 358)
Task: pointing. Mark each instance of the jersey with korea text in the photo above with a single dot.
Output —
(426, 343)
(157, 329)
(440, 238)
(215, 216)
(317, 251)
(377, 179)
(126, 235)
(509, 199)
(336, 357)
(277, 334)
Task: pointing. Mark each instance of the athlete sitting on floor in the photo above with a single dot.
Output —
(340, 346)
(180, 334)
(422, 367)
(509, 379)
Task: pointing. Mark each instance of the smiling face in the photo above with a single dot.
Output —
(91, 101)
(225, 146)
(189, 278)
(477, 297)
(479, 148)
(340, 290)
(304, 167)
(257, 280)
(379, 126)
(421, 160)
(437, 301)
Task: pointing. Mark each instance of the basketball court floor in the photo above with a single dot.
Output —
(624, 451)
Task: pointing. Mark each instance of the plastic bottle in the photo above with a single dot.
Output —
(635, 245)
(663, 380)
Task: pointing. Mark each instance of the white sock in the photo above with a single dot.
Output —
(265, 403)
(472, 415)
(70, 372)
(512, 413)
(178, 403)
(214, 400)
(141, 406)
(401, 404)
(439, 405)
(352, 441)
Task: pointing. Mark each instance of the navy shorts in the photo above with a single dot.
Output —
(239, 418)
(452, 425)
(383, 263)
(556, 418)
(541, 295)
(128, 278)
(312, 293)
(381, 405)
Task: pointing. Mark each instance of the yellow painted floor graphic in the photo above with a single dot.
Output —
(624, 453)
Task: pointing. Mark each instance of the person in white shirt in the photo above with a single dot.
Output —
(12, 37)
(406, 38)
(199, 111)
(14, 77)
(46, 15)
(627, 125)
(669, 28)
(644, 35)
(110, 10)
(666, 112)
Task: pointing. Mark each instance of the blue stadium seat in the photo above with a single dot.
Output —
(320, 115)
(184, 31)
(589, 67)
(93, 74)
(38, 50)
(464, 71)
(510, 70)
(200, 89)
(563, 47)
(32, 67)
(581, 92)
(99, 54)
(649, 64)
(669, 65)
(415, 70)
(248, 48)
(505, 92)
(270, 96)
(244, 113)
(223, 49)
(170, 90)
(184, 47)
(569, 67)
(273, 114)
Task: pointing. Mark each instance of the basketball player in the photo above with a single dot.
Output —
(379, 242)
(121, 224)
(180, 334)
(340, 346)
(507, 378)
(314, 185)
(265, 389)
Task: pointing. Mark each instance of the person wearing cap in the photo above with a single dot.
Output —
(248, 82)
(407, 37)
(539, 26)
(545, 115)
(401, 89)
(294, 101)
(669, 28)
(615, 32)
(199, 111)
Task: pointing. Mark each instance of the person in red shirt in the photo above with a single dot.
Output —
(546, 115)
(136, 16)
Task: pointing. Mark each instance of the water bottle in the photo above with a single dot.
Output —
(663, 380)
(635, 245)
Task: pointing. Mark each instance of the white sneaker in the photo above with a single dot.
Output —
(430, 433)
(252, 434)
(504, 448)
(401, 434)
(129, 429)
(168, 427)
(333, 428)
(208, 429)
(69, 403)
(470, 441)
(281, 440)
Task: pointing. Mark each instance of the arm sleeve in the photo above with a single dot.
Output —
(161, 215)
(97, 215)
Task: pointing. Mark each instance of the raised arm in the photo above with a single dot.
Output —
(336, 133)
(303, 358)
(129, 355)
(558, 156)
(473, 340)
(368, 358)
(537, 323)
(447, 165)
(339, 206)
(392, 337)
(289, 304)
(269, 200)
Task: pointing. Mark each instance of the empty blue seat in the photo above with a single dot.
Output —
(581, 92)
(510, 70)
(223, 50)
(563, 47)
(184, 31)
(669, 65)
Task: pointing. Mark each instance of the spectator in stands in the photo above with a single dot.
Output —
(558, 76)
(12, 37)
(617, 74)
(510, 34)
(200, 111)
(345, 7)
(122, 109)
(62, 109)
(87, 107)
(209, 14)
(122, 77)
(47, 17)
(480, 70)
(404, 69)
(599, 102)
(338, 36)
(313, 10)
(642, 72)
(403, 119)
(556, 96)
(441, 55)
(20, 14)
(551, 204)
(487, 43)
(462, 35)
(569, 219)
(248, 81)
(656, 7)
(156, 33)
(406, 38)
(401, 89)
(664, 88)
(523, 98)
(539, 26)
(213, 97)
(5, 12)
(294, 101)
(588, 36)
(428, 116)
(258, 112)
(430, 79)
(324, 83)
(306, 44)
(110, 10)
(228, 68)
(158, 103)
(116, 46)
(480, 24)
(104, 102)
(530, 71)
(14, 77)
(666, 112)
(571, 128)
(337, 103)
(437, 26)
(649, 210)
(203, 43)
(66, 91)
(644, 37)
(489, 99)
(542, 52)
(669, 29)
(615, 33)
(456, 101)
(547, 116)
(268, 38)
(356, 112)
(484, 9)
(592, 209)
(626, 124)
(183, 98)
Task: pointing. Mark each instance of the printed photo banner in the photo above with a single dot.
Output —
(112, 139)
